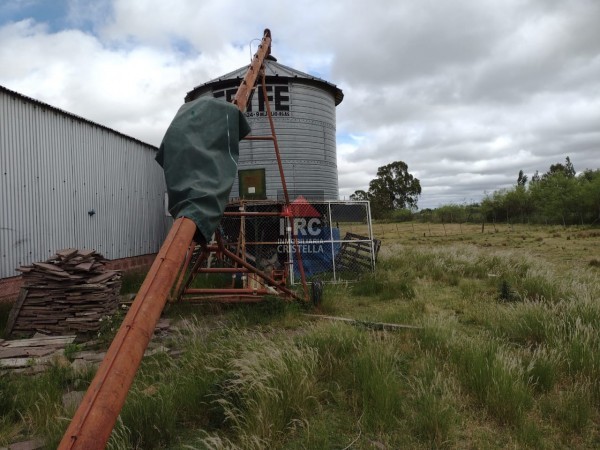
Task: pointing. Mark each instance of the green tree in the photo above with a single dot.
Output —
(393, 189)
(556, 196)
(590, 194)
(521, 179)
(451, 213)
(569, 169)
(359, 195)
(517, 202)
(566, 169)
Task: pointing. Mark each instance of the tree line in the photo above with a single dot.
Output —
(558, 196)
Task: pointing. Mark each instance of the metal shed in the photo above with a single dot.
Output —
(68, 182)
(303, 108)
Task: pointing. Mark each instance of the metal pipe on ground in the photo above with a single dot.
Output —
(225, 299)
(233, 291)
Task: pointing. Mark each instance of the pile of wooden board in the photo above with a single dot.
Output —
(70, 292)
(27, 353)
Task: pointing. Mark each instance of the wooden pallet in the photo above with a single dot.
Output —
(357, 253)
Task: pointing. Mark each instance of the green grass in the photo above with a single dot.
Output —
(507, 356)
(383, 287)
(494, 379)
(32, 406)
(574, 408)
(132, 280)
(432, 410)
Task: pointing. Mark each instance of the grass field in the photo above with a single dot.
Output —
(507, 356)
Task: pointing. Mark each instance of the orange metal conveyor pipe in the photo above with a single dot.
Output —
(96, 416)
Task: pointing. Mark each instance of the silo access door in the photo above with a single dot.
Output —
(252, 183)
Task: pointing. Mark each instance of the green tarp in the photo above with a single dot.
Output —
(199, 155)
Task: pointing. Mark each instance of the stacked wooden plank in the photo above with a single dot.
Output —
(69, 292)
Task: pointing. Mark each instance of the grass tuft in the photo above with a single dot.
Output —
(149, 413)
(543, 369)
(268, 390)
(494, 379)
(432, 414)
(377, 386)
(377, 285)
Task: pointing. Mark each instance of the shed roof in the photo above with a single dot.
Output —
(71, 115)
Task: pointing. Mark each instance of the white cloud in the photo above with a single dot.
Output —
(467, 93)
(134, 90)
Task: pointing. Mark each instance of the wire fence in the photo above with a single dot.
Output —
(341, 245)
(326, 240)
(403, 230)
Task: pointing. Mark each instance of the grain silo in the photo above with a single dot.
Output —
(303, 109)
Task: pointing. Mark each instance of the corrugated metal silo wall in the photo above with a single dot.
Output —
(304, 117)
(54, 169)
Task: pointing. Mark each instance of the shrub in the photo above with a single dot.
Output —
(505, 292)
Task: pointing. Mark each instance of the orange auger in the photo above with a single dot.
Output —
(95, 418)
(97, 414)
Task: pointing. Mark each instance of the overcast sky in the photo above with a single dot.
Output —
(466, 92)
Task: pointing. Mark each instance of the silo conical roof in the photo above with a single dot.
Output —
(272, 69)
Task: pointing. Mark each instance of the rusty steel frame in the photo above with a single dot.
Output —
(242, 266)
(284, 185)
(223, 270)
(232, 291)
(228, 299)
(221, 251)
(183, 268)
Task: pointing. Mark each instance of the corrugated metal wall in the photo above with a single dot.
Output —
(55, 168)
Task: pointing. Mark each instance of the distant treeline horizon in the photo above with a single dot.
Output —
(559, 196)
